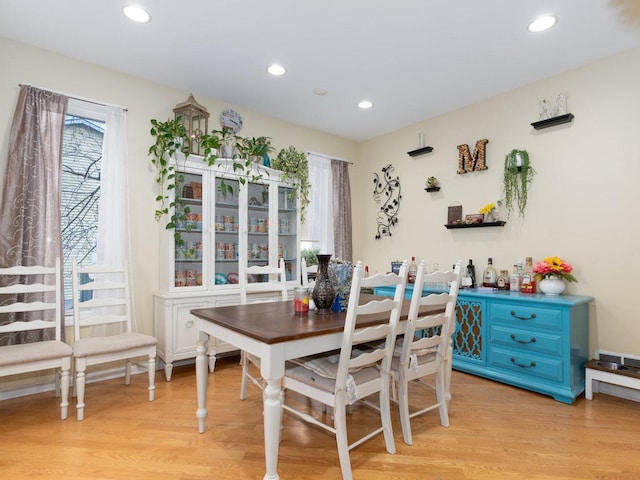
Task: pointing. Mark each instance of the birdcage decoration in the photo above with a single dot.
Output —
(195, 119)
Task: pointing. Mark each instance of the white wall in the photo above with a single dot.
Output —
(582, 202)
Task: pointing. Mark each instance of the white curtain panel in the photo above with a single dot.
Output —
(113, 220)
(113, 244)
(318, 226)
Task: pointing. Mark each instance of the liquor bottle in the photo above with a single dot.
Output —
(502, 282)
(515, 279)
(471, 270)
(489, 276)
(465, 279)
(528, 280)
(413, 270)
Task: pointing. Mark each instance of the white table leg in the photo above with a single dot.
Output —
(201, 383)
(272, 413)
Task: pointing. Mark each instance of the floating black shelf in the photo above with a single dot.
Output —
(420, 151)
(500, 223)
(550, 122)
(432, 189)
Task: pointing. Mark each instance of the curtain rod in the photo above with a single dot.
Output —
(75, 97)
(329, 157)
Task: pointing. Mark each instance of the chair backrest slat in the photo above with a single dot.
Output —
(102, 301)
(439, 327)
(29, 290)
(381, 353)
(276, 284)
(306, 270)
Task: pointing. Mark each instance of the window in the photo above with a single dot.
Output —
(80, 197)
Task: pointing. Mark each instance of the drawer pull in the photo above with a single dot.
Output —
(513, 314)
(513, 337)
(513, 360)
(189, 324)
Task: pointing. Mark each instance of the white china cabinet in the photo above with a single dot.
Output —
(229, 222)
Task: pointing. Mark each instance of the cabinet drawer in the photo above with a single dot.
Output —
(525, 316)
(528, 340)
(526, 363)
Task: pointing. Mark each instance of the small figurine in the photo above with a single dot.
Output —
(544, 109)
(561, 103)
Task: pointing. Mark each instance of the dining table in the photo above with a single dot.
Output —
(275, 333)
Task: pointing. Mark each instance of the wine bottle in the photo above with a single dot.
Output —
(471, 270)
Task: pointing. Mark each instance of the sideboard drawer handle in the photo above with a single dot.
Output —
(513, 337)
(513, 360)
(189, 324)
(513, 314)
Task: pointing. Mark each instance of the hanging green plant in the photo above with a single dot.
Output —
(295, 167)
(170, 137)
(518, 174)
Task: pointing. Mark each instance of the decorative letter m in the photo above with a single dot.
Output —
(467, 163)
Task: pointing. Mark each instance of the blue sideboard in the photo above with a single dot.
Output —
(532, 341)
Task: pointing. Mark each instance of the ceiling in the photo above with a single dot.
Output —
(414, 59)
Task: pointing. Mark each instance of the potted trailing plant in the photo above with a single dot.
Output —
(171, 138)
(229, 140)
(518, 174)
(256, 149)
(295, 167)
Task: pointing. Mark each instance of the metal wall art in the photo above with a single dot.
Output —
(386, 193)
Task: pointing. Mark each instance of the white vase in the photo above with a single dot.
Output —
(552, 286)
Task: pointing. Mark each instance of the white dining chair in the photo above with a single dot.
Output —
(355, 372)
(427, 347)
(259, 284)
(31, 301)
(307, 270)
(103, 326)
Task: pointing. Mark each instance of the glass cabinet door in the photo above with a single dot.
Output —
(287, 234)
(258, 224)
(227, 230)
(188, 267)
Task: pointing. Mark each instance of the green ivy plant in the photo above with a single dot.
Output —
(170, 137)
(516, 180)
(254, 147)
(295, 167)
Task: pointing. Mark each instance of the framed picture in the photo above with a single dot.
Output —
(454, 214)
(474, 218)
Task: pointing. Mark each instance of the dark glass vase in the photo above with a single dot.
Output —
(323, 293)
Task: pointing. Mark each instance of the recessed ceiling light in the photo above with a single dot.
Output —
(541, 24)
(137, 14)
(364, 104)
(276, 70)
(320, 91)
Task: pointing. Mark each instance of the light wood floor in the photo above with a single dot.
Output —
(496, 432)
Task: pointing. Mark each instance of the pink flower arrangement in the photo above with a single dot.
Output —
(554, 267)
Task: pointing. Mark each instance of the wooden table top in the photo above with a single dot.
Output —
(275, 322)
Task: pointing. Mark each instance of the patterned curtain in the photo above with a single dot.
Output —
(341, 210)
(30, 210)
